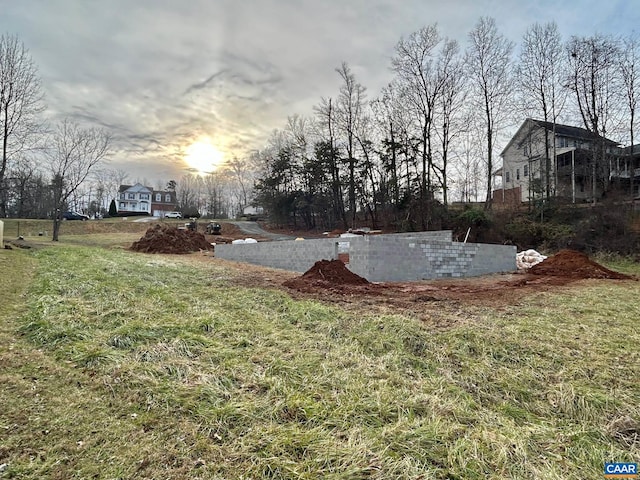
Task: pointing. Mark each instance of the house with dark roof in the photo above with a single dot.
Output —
(544, 159)
(139, 198)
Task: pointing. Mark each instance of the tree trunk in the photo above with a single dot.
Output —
(487, 203)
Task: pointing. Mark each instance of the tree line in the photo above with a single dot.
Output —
(430, 136)
(396, 159)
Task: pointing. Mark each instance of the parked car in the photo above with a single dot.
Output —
(74, 216)
(173, 215)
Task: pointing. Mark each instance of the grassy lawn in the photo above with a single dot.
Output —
(43, 229)
(119, 365)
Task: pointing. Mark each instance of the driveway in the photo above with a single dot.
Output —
(252, 229)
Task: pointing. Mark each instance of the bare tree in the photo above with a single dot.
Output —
(630, 72)
(351, 102)
(20, 104)
(488, 60)
(594, 75)
(326, 124)
(240, 170)
(26, 196)
(74, 153)
(387, 116)
(108, 182)
(415, 64)
(449, 108)
(468, 165)
(369, 173)
(216, 202)
(539, 74)
(189, 192)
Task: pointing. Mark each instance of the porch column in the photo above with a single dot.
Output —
(573, 176)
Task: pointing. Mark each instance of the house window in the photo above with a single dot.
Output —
(518, 174)
(144, 196)
(507, 177)
(122, 196)
(122, 205)
(525, 170)
(526, 150)
(167, 198)
(132, 196)
(158, 197)
(563, 142)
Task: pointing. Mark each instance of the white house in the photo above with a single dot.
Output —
(134, 198)
(578, 166)
(251, 210)
(138, 198)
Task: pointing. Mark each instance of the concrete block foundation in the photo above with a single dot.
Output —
(382, 258)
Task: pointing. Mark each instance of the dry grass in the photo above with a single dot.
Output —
(123, 365)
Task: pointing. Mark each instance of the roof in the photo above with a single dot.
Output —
(138, 187)
(633, 150)
(572, 132)
(560, 129)
(171, 193)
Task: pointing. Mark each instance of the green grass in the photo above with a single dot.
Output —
(121, 365)
(43, 229)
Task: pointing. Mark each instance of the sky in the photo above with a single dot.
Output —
(188, 84)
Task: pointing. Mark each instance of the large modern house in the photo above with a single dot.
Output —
(578, 165)
(138, 198)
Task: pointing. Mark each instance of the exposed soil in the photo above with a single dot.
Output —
(439, 303)
(166, 239)
(573, 264)
(496, 290)
(325, 274)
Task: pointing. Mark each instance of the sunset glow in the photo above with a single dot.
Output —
(203, 157)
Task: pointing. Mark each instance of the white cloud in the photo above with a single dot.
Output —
(160, 73)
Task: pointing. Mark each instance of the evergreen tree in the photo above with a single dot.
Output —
(113, 210)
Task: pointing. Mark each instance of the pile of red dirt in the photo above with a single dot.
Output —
(165, 239)
(573, 264)
(325, 274)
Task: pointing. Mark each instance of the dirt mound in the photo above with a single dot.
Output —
(573, 264)
(333, 271)
(325, 274)
(165, 239)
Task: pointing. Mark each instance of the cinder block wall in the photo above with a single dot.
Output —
(389, 258)
(297, 256)
(379, 258)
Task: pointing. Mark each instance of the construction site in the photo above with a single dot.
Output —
(478, 274)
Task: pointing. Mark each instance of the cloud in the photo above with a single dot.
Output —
(161, 73)
(204, 83)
